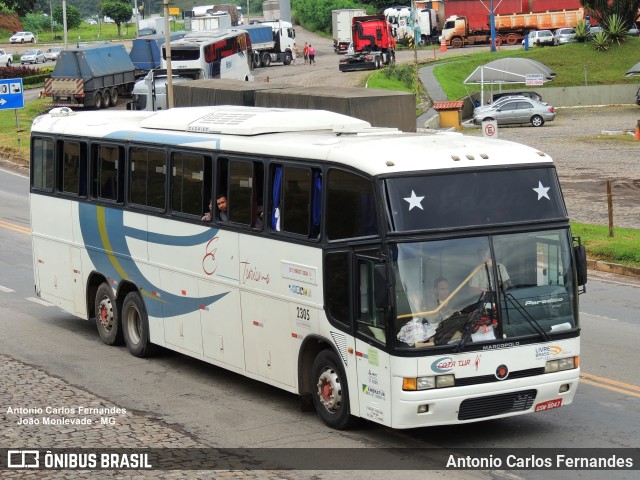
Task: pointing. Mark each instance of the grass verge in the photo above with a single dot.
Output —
(14, 133)
(623, 248)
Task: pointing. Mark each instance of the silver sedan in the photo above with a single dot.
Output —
(33, 56)
(517, 111)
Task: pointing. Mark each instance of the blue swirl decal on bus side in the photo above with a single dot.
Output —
(105, 238)
(161, 138)
(443, 365)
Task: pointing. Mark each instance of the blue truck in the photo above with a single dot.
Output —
(91, 77)
(146, 52)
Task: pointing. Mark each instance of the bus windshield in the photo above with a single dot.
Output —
(461, 291)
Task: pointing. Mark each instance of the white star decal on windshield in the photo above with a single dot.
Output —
(541, 191)
(414, 201)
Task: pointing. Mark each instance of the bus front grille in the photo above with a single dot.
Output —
(496, 404)
(530, 372)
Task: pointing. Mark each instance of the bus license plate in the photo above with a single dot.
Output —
(541, 407)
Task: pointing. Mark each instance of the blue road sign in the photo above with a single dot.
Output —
(11, 93)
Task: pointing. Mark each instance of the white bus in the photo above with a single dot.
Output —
(328, 277)
(222, 53)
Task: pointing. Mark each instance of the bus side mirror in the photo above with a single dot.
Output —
(580, 255)
(380, 291)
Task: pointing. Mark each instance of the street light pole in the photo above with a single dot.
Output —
(51, 18)
(64, 22)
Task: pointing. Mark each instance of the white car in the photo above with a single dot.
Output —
(5, 58)
(53, 53)
(33, 56)
(565, 35)
(540, 38)
(23, 37)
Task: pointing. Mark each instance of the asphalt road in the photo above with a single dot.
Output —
(175, 396)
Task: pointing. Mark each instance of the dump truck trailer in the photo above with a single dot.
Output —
(90, 77)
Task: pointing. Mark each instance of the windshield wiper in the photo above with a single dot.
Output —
(527, 316)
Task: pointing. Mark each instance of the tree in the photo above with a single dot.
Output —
(601, 10)
(73, 16)
(119, 11)
(21, 7)
(36, 22)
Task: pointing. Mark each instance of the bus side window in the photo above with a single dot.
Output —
(43, 164)
(72, 170)
(296, 200)
(189, 183)
(148, 172)
(347, 191)
(107, 170)
(240, 199)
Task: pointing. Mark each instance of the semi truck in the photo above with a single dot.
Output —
(146, 52)
(93, 76)
(341, 27)
(407, 24)
(373, 44)
(271, 42)
(151, 26)
(510, 29)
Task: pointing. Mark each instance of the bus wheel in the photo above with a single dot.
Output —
(135, 325)
(97, 102)
(114, 96)
(107, 319)
(266, 59)
(331, 393)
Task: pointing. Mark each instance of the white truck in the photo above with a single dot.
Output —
(271, 42)
(341, 26)
(211, 22)
(151, 26)
(423, 23)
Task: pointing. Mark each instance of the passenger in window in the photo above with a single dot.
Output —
(221, 202)
(258, 220)
(207, 216)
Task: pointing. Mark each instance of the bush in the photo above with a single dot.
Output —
(29, 75)
(601, 41)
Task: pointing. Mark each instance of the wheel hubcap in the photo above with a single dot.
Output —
(329, 390)
(105, 314)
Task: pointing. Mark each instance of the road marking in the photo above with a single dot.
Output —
(41, 302)
(608, 384)
(6, 289)
(15, 227)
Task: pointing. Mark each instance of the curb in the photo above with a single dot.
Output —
(613, 268)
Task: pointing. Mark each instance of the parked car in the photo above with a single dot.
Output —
(517, 111)
(5, 58)
(593, 31)
(53, 53)
(91, 21)
(497, 103)
(564, 35)
(23, 37)
(633, 31)
(540, 38)
(33, 56)
(509, 93)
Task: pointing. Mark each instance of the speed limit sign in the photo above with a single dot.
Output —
(490, 129)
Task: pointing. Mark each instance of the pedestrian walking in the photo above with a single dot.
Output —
(312, 56)
(294, 53)
(305, 52)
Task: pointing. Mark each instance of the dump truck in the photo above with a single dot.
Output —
(90, 77)
(510, 29)
(373, 44)
(271, 42)
(341, 21)
(146, 52)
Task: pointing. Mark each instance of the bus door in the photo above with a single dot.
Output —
(374, 375)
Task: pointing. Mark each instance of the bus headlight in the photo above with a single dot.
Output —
(427, 383)
(561, 364)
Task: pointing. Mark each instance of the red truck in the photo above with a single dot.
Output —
(373, 44)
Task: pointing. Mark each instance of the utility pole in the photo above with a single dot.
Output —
(492, 22)
(167, 43)
(64, 22)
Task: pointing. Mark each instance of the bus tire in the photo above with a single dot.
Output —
(266, 59)
(114, 96)
(97, 100)
(330, 391)
(135, 326)
(107, 319)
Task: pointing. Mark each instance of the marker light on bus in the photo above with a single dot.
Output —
(561, 364)
(426, 383)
